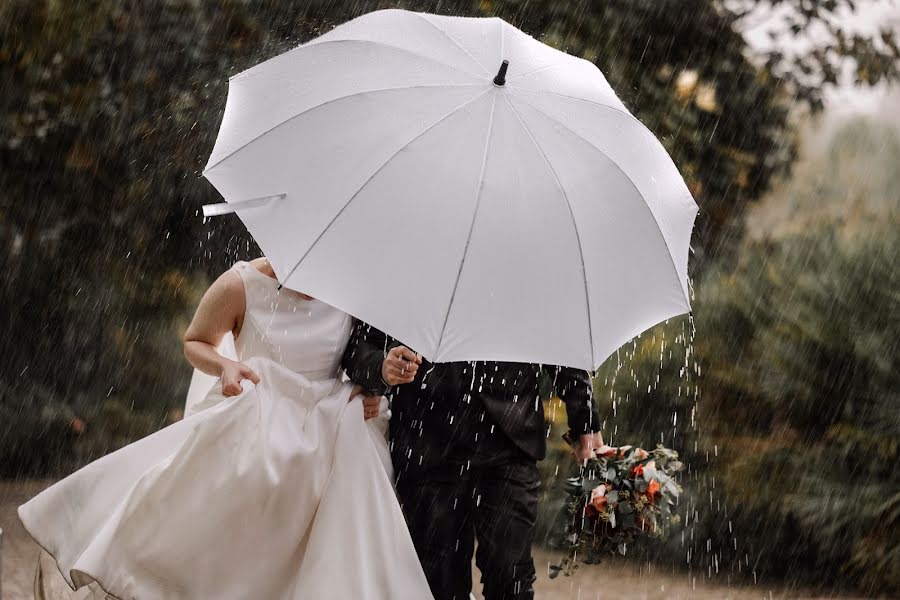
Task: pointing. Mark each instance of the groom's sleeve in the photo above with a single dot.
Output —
(574, 388)
(364, 356)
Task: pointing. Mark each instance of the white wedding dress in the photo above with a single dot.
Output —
(278, 493)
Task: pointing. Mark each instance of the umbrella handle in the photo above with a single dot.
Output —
(226, 208)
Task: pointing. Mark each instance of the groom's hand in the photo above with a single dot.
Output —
(400, 366)
(588, 444)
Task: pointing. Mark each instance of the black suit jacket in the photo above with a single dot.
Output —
(428, 414)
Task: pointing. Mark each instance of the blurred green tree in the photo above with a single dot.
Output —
(792, 439)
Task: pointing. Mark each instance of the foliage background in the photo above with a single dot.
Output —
(781, 390)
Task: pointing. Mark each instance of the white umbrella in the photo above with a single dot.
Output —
(394, 169)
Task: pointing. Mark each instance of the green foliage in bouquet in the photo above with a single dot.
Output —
(621, 495)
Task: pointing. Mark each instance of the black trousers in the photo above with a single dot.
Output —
(448, 508)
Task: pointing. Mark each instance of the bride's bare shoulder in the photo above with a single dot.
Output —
(262, 265)
(228, 286)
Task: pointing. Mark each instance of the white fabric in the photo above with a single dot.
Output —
(535, 222)
(277, 493)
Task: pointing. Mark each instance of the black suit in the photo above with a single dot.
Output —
(464, 441)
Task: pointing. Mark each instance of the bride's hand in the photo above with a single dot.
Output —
(233, 373)
(371, 404)
(371, 407)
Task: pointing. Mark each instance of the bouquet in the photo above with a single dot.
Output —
(620, 495)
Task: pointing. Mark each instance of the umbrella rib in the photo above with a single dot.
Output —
(375, 173)
(502, 41)
(313, 43)
(462, 262)
(326, 103)
(621, 170)
(455, 43)
(511, 79)
(587, 293)
(624, 113)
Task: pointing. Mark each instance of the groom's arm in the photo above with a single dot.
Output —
(364, 357)
(574, 388)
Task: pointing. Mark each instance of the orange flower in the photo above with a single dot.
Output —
(652, 489)
(637, 471)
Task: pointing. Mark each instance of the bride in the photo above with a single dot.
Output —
(277, 489)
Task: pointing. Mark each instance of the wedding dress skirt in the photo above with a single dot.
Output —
(278, 493)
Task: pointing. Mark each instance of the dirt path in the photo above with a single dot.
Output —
(20, 554)
(613, 580)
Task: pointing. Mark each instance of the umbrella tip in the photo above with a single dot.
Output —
(500, 79)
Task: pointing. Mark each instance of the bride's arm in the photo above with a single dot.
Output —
(221, 311)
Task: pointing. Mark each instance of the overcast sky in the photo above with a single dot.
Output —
(870, 17)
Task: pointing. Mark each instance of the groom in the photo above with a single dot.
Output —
(465, 441)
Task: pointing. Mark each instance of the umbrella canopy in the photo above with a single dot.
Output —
(398, 169)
